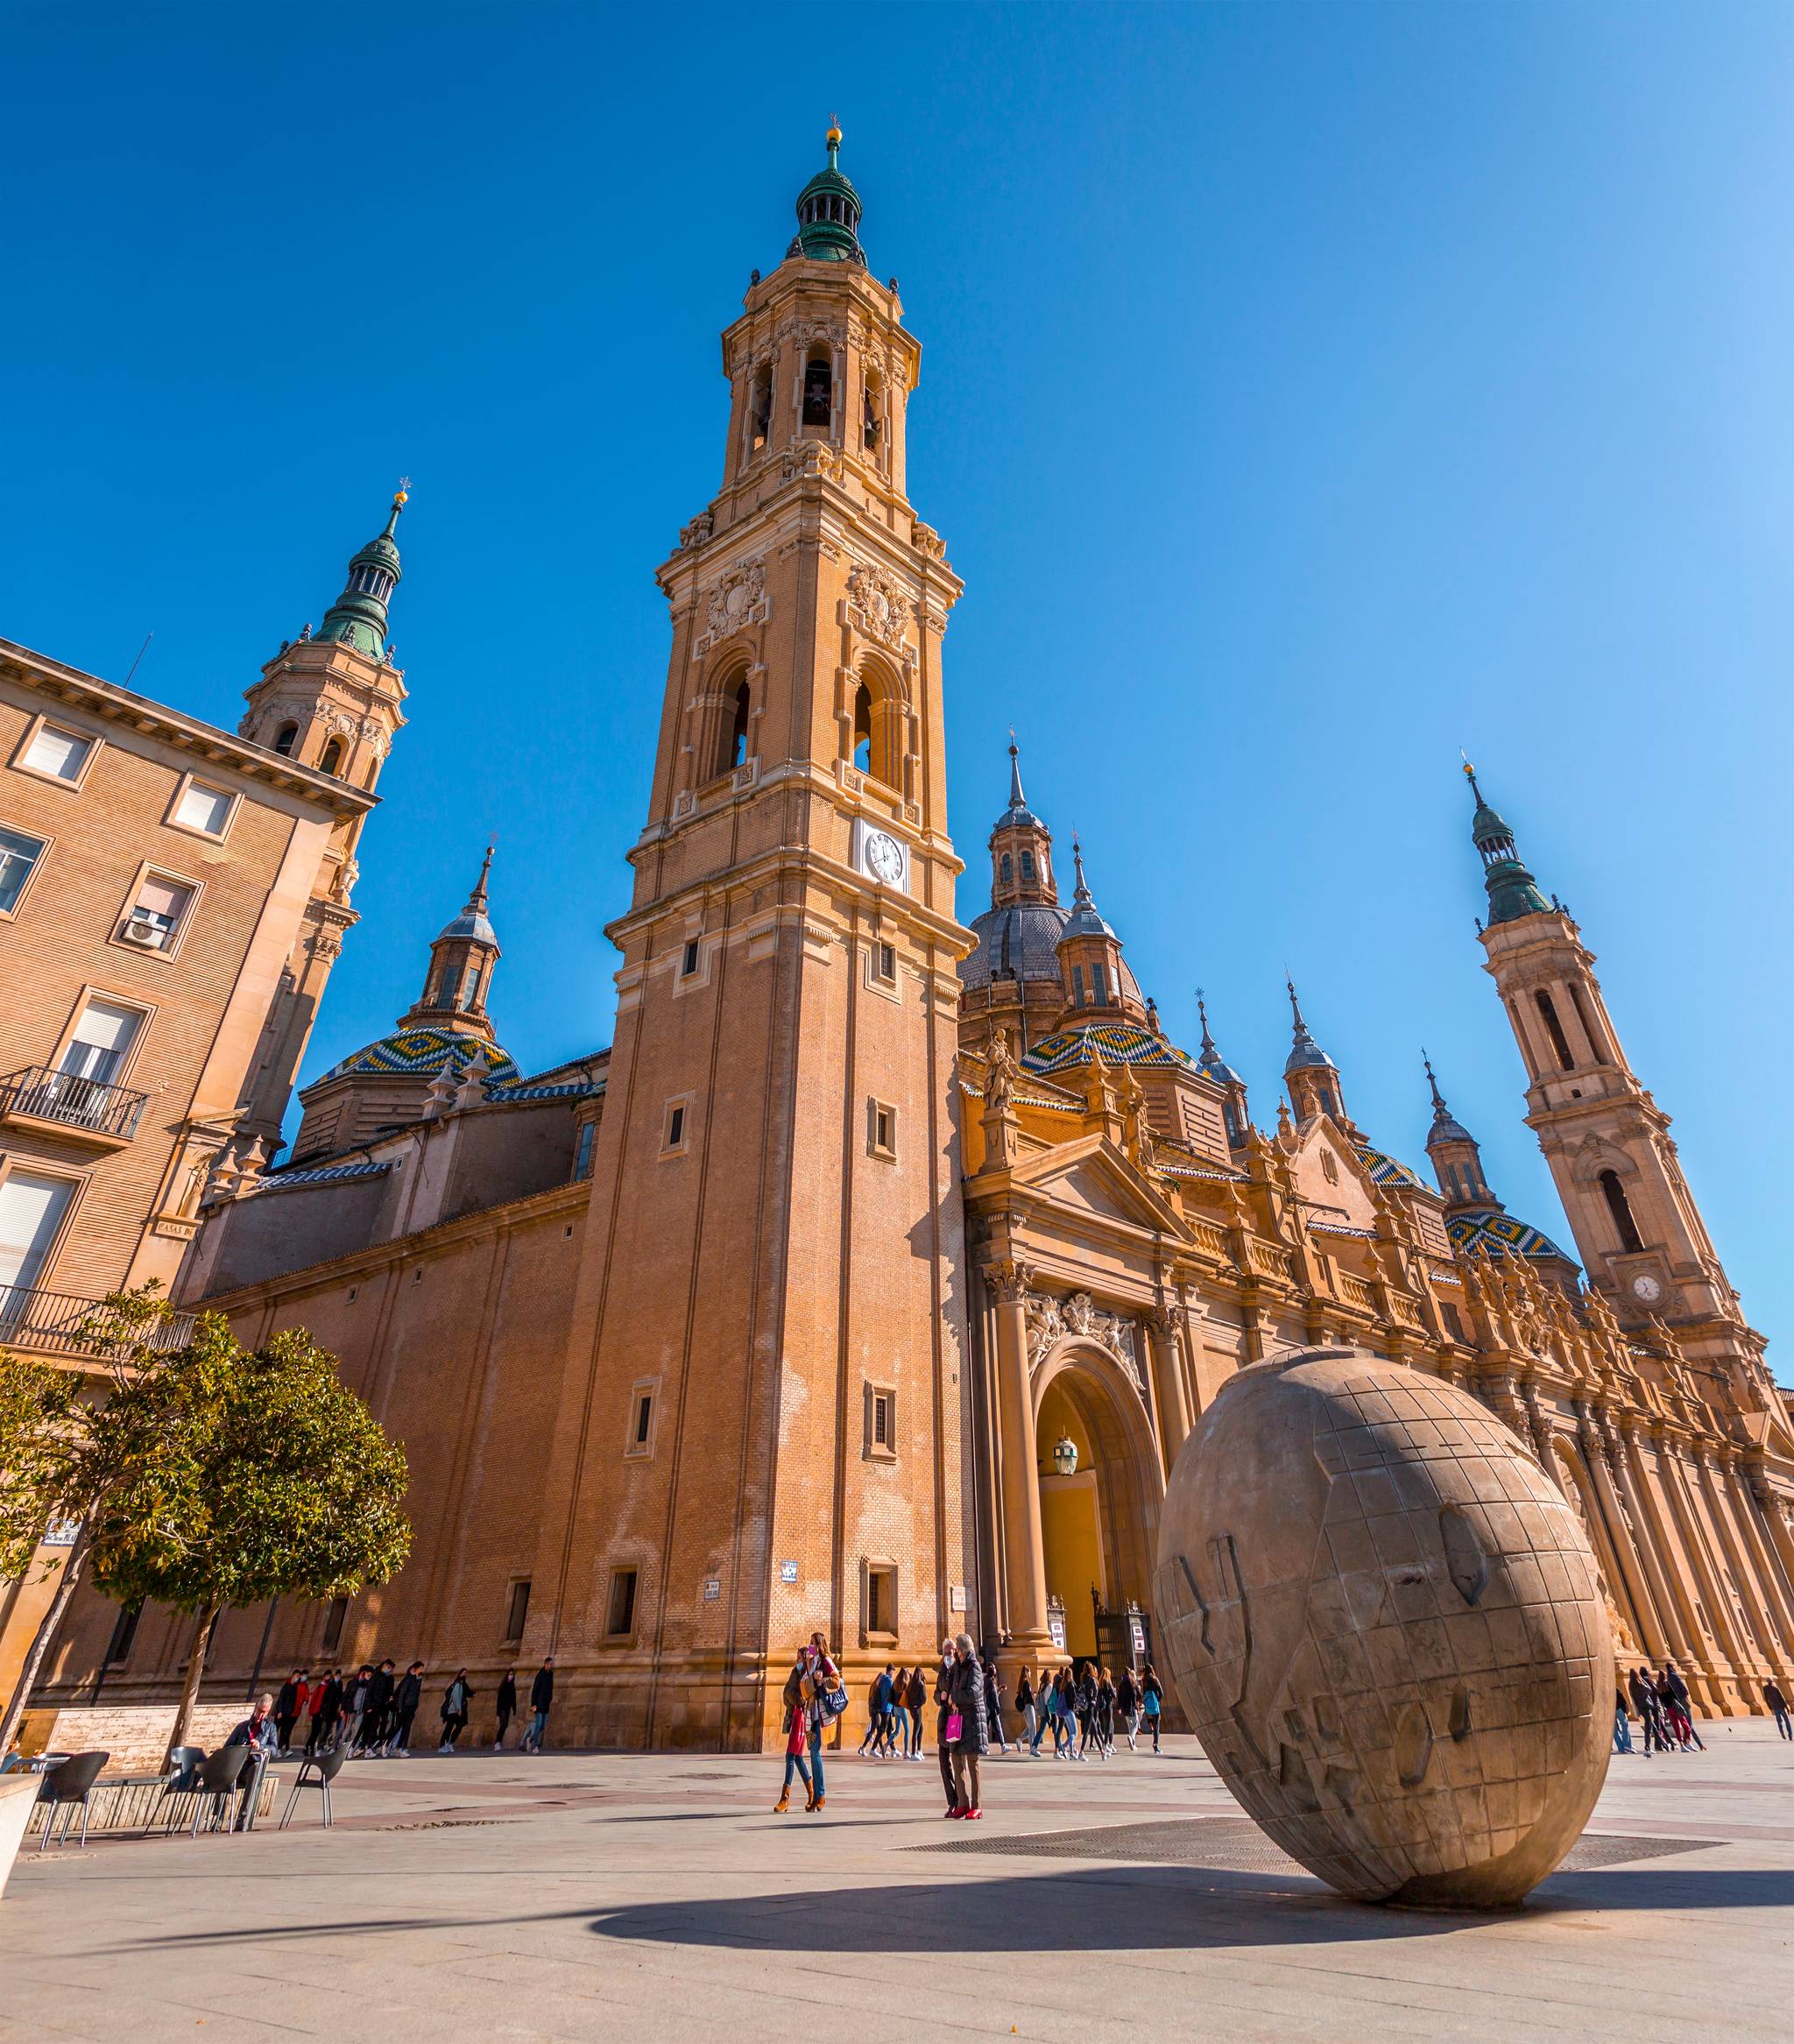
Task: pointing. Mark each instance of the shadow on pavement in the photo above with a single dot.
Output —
(1143, 1908)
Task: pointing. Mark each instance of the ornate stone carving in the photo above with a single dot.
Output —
(699, 530)
(876, 607)
(927, 540)
(1010, 1281)
(1045, 1325)
(738, 600)
(374, 733)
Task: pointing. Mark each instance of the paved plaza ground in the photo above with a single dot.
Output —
(657, 1896)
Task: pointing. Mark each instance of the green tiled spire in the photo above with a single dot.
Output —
(827, 213)
(1511, 889)
(358, 616)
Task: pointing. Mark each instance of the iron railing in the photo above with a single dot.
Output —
(68, 1323)
(80, 1103)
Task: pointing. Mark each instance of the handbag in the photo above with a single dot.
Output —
(834, 1702)
(954, 1730)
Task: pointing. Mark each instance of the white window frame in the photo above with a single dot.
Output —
(169, 951)
(97, 744)
(77, 1180)
(635, 1450)
(683, 1105)
(233, 798)
(145, 1010)
(47, 842)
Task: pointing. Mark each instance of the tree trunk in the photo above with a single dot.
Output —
(190, 1687)
(45, 1632)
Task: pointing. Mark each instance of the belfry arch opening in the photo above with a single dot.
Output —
(819, 388)
(877, 725)
(1620, 1209)
(1099, 1515)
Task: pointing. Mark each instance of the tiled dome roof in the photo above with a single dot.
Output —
(1390, 1171)
(423, 1053)
(1121, 1043)
(1014, 942)
(1500, 1234)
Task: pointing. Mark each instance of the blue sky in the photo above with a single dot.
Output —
(1307, 392)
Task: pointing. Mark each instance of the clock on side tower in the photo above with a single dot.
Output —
(775, 1220)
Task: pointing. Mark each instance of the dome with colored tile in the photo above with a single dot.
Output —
(1500, 1235)
(1120, 1044)
(423, 1053)
(1390, 1170)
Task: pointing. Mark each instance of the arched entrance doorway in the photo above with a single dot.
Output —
(1100, 1497)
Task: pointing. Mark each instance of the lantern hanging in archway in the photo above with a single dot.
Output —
(1065, 1456)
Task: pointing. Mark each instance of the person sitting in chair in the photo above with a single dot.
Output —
(257, 1732)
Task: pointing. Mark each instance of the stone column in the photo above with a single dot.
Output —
(1776, 1513)
(1168, 1394)
(1623, 1536)
(1715, 1489)
(1721, 1615)
(1658, 1556)
(1748, 1517)
(1024, 1554)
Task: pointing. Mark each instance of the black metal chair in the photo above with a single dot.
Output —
(216, 1779)
(180, 1777)
(65, 1786)
(319, 1771)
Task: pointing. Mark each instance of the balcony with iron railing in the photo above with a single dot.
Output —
(64, 1323)
(88, 1109)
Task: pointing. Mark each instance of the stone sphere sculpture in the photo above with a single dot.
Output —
(1387, 1628)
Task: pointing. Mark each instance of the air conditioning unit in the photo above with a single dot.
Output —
(146, 934)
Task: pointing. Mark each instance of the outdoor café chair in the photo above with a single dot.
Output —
(180, 1777)
(217, 1778)
(71, 1783)
(319, 1771)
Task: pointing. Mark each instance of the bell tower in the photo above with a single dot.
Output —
(774, 1229)
(1641, 1235)
(332, 701)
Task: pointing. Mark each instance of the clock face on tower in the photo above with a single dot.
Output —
(1646, 1289)
(884, 858)
(880, 856)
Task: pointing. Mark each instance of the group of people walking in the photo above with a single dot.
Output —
(1085, 1706)
(369, 1711)
(1662, 1707)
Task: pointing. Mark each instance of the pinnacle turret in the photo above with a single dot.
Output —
(357, 618)
(1512, 891)
(827, 213)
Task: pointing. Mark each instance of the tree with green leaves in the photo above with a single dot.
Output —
(209, 1475)
(70, 1441)
(283, 1484)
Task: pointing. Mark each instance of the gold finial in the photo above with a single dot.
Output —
(834, 132)
(402, 494)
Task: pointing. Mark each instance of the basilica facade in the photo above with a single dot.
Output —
(871, 1277)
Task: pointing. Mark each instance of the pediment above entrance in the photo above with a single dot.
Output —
(1092, 1177)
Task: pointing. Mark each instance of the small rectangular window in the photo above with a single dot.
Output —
(881, 1128)
(124, 1633)
(881, 1422)
(157, 913)
(519, 1612)
(676, 1128)
(204, 809)
(881, 1600)
(621, 1621)
(688, 964)
(59, 755)
(1099, 985)
(582, 1149)
(644, 1417)
(19, 859)
(1077, 985)
(887, 963)
(333, 1626)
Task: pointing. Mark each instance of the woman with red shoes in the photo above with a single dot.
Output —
(964, 1731)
